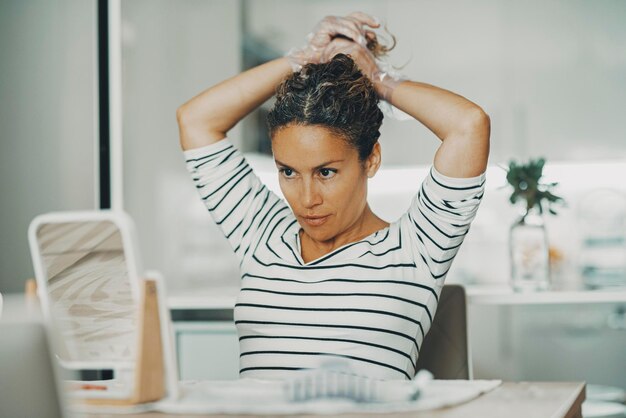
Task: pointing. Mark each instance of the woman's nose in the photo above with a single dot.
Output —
(310, 195)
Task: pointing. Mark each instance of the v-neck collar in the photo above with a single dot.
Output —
(295, 231)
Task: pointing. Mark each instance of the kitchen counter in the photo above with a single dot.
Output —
(220, 298)
(504, 295)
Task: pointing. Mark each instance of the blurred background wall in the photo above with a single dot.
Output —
(552, 76)
(48, 126)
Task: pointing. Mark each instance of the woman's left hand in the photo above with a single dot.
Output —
(351, 27)
(365, 60)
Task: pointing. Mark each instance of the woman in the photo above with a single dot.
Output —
(322, 275)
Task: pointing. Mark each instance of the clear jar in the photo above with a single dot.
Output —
(529, 253)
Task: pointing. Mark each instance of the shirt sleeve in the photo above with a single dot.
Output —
(439, 218)
(233, 194)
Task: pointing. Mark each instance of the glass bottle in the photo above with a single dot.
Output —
(529, 252)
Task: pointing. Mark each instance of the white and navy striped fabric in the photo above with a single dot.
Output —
(370, 302)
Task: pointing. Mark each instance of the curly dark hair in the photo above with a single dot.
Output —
(334, 95)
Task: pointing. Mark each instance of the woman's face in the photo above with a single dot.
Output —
(322, 178)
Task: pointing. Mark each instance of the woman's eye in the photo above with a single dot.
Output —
(287, 172)
(327, 173)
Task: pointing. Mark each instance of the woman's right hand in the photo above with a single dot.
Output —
(350, 26)
(384, 82)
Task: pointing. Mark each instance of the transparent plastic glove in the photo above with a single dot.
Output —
(350, 26)
(381, 73)
(384, 80)
(385, 105)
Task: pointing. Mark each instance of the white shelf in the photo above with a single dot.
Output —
(209, 298)
(224, 297)
(504, 295)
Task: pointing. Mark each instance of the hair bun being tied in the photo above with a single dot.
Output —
(335, 95)
(377, 48)
(339, 70)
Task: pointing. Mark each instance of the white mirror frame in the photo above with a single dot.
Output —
(131, 253)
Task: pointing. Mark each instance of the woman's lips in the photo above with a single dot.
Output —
(317, 221)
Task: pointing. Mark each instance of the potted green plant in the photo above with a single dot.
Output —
(528, 238)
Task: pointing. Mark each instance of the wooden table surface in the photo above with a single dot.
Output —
(509, 400)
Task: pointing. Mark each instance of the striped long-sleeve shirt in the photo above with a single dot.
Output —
(370, 302)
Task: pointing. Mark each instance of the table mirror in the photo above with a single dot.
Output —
(87, 271)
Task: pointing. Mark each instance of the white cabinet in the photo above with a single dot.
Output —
(207, 350)
(550, 342)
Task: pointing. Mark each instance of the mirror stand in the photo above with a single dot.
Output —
(149, 382)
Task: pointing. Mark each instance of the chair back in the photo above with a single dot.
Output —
(444, 351)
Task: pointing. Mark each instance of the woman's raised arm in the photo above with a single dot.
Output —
(462, 125)
(206, 118)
